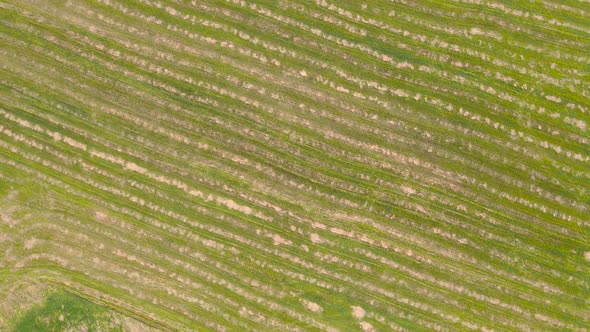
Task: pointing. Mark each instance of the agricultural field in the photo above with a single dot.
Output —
(283, 165)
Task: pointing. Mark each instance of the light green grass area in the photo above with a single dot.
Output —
(295, 165)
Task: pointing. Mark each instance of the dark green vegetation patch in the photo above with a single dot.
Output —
(63, 311)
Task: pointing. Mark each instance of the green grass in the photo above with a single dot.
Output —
(63, 311)
(275, 161)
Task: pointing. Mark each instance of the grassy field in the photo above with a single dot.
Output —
(66, 312)
(387, 165)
